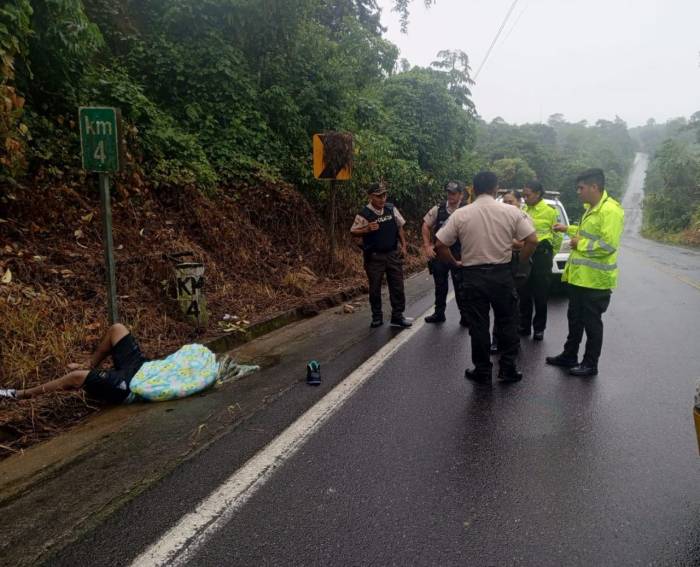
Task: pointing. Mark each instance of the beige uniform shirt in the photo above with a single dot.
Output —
(486, 229)
(361, 222)
(430, 217)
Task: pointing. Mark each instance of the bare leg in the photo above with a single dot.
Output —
(113, 335)
(71, 381)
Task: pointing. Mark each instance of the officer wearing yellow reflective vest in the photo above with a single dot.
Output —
(591, 272)
(536, 291)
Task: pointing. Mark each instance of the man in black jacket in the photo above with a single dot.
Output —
(380, 225)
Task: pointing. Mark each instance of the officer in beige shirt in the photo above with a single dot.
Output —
(486, 229)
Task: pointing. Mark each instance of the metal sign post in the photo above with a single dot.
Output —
(333, 160)
(112, 307)
(99, 140)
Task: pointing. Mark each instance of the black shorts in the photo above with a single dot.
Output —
(112, 385)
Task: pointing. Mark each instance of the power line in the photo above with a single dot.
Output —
(515, 24)
(495, 39)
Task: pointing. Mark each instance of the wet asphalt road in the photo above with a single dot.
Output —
(420, 467)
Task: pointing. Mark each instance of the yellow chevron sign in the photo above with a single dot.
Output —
(324, 168)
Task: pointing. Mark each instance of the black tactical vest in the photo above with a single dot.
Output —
(442, 216)
(386, 239)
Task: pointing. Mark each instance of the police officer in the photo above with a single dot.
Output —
(514, 199)
(381, 227)
(433, 221)
(591, 272)
(486, 229)
(536, 291)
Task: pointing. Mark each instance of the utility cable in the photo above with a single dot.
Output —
(515, 24)
(495, 39)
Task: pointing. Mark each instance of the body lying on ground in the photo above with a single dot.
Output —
(189, 370)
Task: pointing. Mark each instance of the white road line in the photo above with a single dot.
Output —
(181, 542)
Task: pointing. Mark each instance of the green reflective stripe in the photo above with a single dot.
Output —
(605, 246)
(593, 239)
(592, 264)
(588, 235)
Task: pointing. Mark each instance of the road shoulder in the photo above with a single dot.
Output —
(59, 490)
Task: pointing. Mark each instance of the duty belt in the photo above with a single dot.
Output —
(488, 267)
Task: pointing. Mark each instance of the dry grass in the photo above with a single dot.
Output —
(263, 249)
(38, 338)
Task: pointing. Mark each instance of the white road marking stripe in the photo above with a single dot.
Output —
(179, 544)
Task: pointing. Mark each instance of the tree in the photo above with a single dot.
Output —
(455, 65)
(513, 172)
(401, 6)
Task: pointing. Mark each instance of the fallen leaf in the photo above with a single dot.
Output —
(87, 218)
(79, 234)
(6, 277)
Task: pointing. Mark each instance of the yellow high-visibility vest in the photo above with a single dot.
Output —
(593, 263)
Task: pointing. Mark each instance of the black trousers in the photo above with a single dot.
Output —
(485, 288)
(376, 265)
(536, 291)
(441, 272)
(586, 308)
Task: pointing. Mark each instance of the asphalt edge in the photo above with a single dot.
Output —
(219, 345)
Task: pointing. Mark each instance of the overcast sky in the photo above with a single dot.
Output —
(587, 59)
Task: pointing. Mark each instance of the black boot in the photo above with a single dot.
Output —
(478, 376)
(435, 318)
(584, 369)
(562, 360)
(401, 322)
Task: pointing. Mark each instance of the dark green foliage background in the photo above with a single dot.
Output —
(215, 92)
(672, 186)
(558, 151)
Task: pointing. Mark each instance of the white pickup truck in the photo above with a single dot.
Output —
(562, 255)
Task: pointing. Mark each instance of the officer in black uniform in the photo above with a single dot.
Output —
(433, 221)
(380, 225)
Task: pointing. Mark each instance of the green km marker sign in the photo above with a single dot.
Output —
(99, 138)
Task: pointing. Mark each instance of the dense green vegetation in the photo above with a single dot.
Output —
(217, 92)
(556, 152)
(672, 187)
